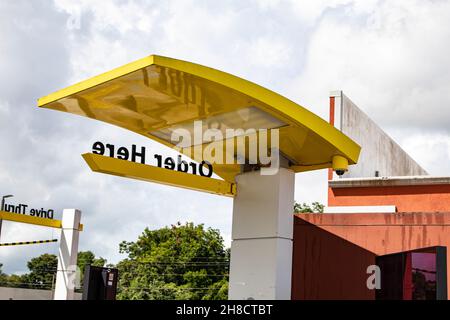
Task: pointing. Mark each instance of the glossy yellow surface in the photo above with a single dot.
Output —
(143, 172)
(156, 93)
(22, 218)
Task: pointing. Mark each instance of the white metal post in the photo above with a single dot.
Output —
(67, 256)
(261, 249)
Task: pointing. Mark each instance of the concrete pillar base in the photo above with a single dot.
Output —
(261, 250)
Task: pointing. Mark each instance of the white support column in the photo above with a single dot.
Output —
(67, 257)
(261, 249)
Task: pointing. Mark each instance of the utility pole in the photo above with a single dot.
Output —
(3, 208)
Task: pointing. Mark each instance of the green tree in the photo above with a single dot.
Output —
(3, 277)
(315, 207)
(12, 281)
(42, 271)
(43, 268)
(15, 281)
(177, 262)
(88, 258)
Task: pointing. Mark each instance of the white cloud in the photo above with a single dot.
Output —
(393, 61)
(430, 150)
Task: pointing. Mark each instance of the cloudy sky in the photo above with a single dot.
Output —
(392, 58)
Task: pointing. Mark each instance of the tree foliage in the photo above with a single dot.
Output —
(315, 207)
(177, 262)
(42, 272)
(3, 277)
(86, 258)
(43, 269)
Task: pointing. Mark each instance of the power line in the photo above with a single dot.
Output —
(178, 261)
(168, 288)
(186, 274)
(156, 262)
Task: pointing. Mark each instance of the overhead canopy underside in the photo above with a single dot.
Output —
(156, 95)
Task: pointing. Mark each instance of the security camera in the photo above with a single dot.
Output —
(340, 165)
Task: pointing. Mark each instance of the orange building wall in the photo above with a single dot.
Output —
(385, 233)
(420, 198)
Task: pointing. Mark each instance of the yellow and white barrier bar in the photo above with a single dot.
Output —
(26, 243)
(22, 218)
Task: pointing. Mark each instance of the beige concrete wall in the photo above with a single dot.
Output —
(28, 294)
(378, 151)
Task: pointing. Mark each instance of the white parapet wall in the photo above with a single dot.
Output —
(360, 209)
(389, 181)
(379, 153)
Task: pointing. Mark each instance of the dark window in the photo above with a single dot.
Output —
(414, 275)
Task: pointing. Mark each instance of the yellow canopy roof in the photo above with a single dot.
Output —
(155, 95)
